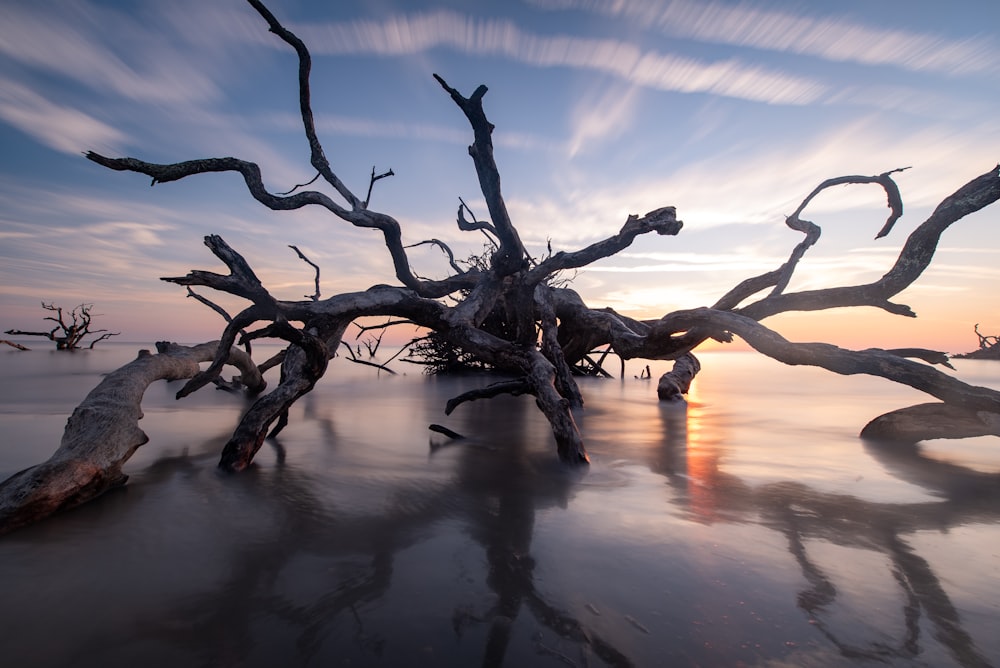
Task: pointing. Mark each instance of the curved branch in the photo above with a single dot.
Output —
(487, 228)
(663, 221)
(304, 363)
(241, 281)
(389, 227)
(234, 327)
(914, 257)
(165, 173)
(444, 248)
(317, 156)
(515, 388)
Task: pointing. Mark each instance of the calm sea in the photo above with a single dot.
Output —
(752, 527)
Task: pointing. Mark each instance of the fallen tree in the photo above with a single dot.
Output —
(513, 314)
(103, 432)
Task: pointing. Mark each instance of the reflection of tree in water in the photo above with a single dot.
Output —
(802, 514)
(230, 625)
(495, 496)
(502, 520)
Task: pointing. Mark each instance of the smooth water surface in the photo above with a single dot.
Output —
(751, 527)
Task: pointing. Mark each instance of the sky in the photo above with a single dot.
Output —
(731, 111)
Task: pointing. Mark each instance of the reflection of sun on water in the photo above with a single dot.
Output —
(701, 462)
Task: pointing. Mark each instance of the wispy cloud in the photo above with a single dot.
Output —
(829, 38)
(603, 115)
(74, 45)
(407, 34)
(357, 126)
(62, 128)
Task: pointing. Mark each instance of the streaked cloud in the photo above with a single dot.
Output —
(62, 128)
(458, 135)
(403, 34)
(829, 38)
(75, 45)
(600, 115)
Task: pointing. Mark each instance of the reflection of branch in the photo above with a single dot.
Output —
(822, 593)
(927, 590)
(799, 513)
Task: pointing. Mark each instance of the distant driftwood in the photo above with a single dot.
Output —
(103, 432)
(989, 348)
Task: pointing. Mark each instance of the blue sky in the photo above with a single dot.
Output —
(732, 112)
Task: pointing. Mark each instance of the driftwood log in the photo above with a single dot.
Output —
(932, 420)
(102, 433)
(512, 312)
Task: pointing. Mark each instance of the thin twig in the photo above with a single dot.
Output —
(315, 295)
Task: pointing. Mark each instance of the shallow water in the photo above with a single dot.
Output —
(752, 527)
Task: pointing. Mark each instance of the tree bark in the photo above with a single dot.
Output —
(932, 420)
(674, 384)
(101, 435)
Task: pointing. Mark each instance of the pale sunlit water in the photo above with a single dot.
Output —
(751, 528)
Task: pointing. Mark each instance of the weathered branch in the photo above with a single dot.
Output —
(873, 362)
(445, 249)
(663, 221)
(304, 364)
(564, 382)
(363, 218)
(914, 257)
(315, 295)
(511, 255)
(929, 356)
(317, 156)
(514, 387)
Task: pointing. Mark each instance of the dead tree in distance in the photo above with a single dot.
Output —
(989, 347)
(70, 328)
(546, 327)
